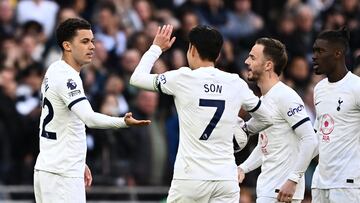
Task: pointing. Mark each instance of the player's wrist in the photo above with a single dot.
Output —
(242, 168)
(156, 48)
(295, 178)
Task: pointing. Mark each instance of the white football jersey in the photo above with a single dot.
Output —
(62, 133)
(279, 144)
(338, 129)
(207, 101)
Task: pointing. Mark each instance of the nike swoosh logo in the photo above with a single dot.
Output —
(317, 103)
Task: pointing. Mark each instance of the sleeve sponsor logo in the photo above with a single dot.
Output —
(71, 84)
(74, 93)
(162, 79)
(293, 111)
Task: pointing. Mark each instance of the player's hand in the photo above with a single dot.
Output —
(163, 37)
(87, 176)
(241, 174)
(287, 191)
(130, 121)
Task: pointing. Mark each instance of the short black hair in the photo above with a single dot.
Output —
(339, 37)
(207, 40)
(67, 30)
(275, 51)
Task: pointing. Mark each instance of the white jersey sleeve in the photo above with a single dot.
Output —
(293, 111)
(169, 81)
(70, 90)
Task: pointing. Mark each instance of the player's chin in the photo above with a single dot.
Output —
(318, 71)
(87, 60)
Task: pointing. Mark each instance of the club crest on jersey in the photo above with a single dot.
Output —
(293, 111)
(264, 142)
(326, 127)
(71, 84)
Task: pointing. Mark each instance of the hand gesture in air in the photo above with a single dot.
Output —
(130, 121)
(163, 37)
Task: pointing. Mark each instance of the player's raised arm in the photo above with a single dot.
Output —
(141, 77)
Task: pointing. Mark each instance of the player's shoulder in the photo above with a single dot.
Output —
(285, 93)
(321, 84)
(59, 71)
(233, 78)
(354, 79)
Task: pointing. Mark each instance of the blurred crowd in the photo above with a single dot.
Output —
(124, 30)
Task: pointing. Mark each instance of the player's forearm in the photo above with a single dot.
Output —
(253, 162)
(96, 120)
(141, 77)
(261, 119)
(307, 148)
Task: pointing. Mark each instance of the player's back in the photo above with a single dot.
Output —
(62, 133)
(207, 101)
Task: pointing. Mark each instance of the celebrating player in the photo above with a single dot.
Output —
(207, 101)
(60, 171)
(285, 149)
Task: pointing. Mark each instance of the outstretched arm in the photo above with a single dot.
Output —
(141, 77)
(261, 119)
(92, 119)
(251, 163)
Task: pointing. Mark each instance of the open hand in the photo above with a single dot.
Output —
(287, 191)
(162, 37)
(87, 176)
(130, 121)
(241, 175)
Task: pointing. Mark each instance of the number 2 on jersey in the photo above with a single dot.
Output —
(220, 106)
(47, 119)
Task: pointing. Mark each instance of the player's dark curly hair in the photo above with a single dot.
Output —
(67, 30)
(207, 40)
(339, 38)
(275, 51)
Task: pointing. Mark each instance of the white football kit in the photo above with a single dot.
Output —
(62, 129)
(285, 149)
(338, 129)
(207, 101)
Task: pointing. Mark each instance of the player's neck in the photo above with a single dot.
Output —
(267, 81)
(71, 61)
(201, 63)
(338, 74)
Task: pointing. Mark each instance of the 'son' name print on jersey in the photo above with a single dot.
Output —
(212, 88)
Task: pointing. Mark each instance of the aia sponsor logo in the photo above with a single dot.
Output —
(326, 127)
(293, 111)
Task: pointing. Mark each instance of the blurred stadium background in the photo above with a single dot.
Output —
(135, 165)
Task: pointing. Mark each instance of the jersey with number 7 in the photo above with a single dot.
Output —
(207, 101)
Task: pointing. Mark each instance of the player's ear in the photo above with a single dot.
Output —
(66, 45)
(338, 53)
(269, 65)
(191, 49)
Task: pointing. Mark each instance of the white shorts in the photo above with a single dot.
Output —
(273, 200)
(335, 195)
(53, 188)
(204, 191)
